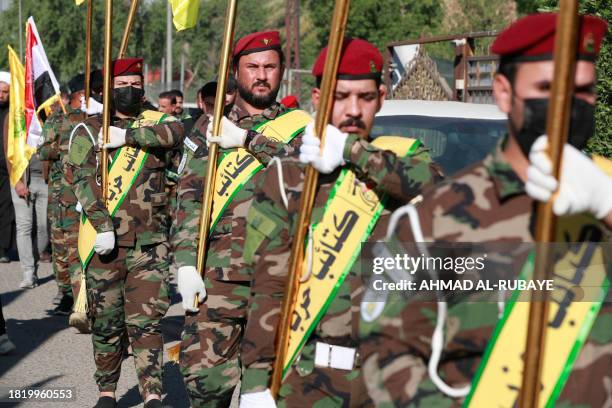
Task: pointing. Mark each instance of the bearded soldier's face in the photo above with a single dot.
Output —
(356, 102)
(259, 76)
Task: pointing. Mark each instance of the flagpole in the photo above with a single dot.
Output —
(328, 85)
(207, 196)
(169, 46)
(128, 28)
(108, 49)
(88, 51)
(557, 128)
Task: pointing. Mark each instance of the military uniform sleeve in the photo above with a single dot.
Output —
(49, 149)
(265, 149)
(267, 251)
(400, 177)
(165, 135)
(84, 166)
(191, 173)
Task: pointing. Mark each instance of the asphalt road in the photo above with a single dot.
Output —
(52, 355)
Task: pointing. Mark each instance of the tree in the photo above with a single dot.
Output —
(601, 143)
(379, 21)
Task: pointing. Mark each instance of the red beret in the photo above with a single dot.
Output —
(257, 42)
(289, 101)
(532, 38)
(359, 59)
(127, 66)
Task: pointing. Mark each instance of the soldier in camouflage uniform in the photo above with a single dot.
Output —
(211, 334)
(63, 217)
(272, 220)
(128, 275)
(489, 202)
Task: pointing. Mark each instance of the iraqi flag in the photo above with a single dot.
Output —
(41, 87)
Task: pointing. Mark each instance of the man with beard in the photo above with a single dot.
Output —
(360, 180)
(179, 110)
(409, 358)
(6, 203)
(126, 240)
(212, 331)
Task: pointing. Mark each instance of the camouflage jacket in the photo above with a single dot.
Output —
(224, 255)
(144, 216)
(270, 231)
(56, 138)
(485, 202)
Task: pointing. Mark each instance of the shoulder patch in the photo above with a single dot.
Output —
(191, 145)
(79, 149)
(370, 311)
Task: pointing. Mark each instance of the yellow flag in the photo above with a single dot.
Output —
(18, 153)
(79, 2)
(185, 13)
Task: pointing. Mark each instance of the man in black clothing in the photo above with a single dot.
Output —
(7, 221)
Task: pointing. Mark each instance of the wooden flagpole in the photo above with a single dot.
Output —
(557, 127)
(328, 86)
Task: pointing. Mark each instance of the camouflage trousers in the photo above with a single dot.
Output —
(127, 291)
(64, 247)
(307, 385)
(210, 344)
(61, 266)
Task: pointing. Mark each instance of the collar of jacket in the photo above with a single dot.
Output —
(238, 114)
(507, 183)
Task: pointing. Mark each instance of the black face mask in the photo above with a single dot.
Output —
(128, 100)
(582, 123)
(97, 98)
(4, 104)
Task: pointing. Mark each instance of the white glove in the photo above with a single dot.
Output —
(231, 135)
(116, 138)
(105, 242)
(583, 187)
(262, 399)
(190, 284)
(78, 207)
(95, 107)
(332, 155)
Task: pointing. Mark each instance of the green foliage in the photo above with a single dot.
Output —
(379, 21)
(601, 143)
(62, 27)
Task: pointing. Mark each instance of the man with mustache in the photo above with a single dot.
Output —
(213, 329)
(409, 361)
(355, 175)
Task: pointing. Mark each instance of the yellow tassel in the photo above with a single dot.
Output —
(78, 318)
(80, 306)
